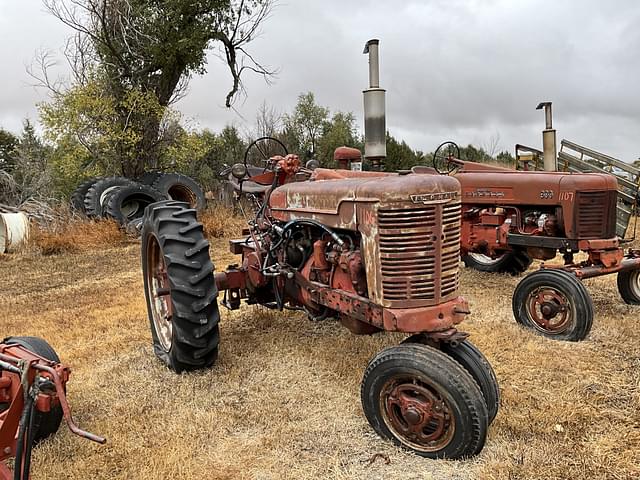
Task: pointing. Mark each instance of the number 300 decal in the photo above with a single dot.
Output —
(546, 194)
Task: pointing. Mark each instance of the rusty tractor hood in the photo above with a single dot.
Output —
(336, 201)
(520, 187)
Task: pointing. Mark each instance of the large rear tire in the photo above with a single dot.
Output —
(555, 304)
(424, 401)
(128, 203)
(95, 201)
(79, 194)
(179, 287)
(182, 188)
(513, 262)
(47, 423)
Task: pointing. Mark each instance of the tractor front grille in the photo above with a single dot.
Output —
(419, 253)
(596, 214)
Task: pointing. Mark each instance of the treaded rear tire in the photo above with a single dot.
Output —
(513, 262)
(452, 382)
(172, 233)
(181, 188)
(148, 178)
(49, 422)
(143, 195)
(95, 201)
(79, 194)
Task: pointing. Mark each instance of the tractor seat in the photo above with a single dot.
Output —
(247, 185)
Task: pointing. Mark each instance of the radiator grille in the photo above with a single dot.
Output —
(419, 252)
(593, 214)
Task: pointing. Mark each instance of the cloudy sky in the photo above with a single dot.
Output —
(462, 70)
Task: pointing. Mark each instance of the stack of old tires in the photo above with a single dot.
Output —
(124, 200)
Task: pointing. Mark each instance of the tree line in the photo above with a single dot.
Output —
(130, 61)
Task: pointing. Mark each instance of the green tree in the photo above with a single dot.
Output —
(400, 155)
(340, 130)
(8, 144)
(304, 126)
(32, 169)
(505, 158)
(140, 54)
(474, 154)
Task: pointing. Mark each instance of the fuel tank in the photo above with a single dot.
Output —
(333, 196)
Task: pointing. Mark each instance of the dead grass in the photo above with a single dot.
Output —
(283, 400)
(77, 235)
(220, 221)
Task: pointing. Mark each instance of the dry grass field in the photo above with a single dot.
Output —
(283, 400)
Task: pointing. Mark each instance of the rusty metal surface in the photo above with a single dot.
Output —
(418, 412)
(23, 368)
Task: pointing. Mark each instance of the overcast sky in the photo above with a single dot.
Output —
(459, 70)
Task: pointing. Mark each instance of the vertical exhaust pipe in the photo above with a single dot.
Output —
(375, 142)
(549, 151)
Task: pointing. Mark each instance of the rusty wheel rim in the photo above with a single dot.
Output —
(417, 414)
(159, 293)
(550, 310)
(182, 193)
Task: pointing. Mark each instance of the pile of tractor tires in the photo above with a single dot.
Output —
(124, 200)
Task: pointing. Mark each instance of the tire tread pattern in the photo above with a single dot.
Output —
(193, 289)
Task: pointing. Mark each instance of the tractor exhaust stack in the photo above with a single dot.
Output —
(375, 146)
(548, 139)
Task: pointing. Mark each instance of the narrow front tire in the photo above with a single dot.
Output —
(423, 400)
(555, 304)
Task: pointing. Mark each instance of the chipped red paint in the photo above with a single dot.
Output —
(397, 268)
(31, 367)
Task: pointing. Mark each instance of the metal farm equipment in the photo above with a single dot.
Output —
(32, 401)
(510, 217)
(376, 253)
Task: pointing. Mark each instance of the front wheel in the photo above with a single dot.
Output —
(424, 401)
(555, 304)
(474, 362)
(179, 287)
(513, 262)
(629, 286)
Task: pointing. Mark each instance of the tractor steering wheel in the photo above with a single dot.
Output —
(443, 156)
(262, 149)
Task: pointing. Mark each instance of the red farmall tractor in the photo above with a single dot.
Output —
(32, 401)
(376, 253)
(510, 217)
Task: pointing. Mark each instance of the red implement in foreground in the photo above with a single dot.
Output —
(32, 401)
(374, 252)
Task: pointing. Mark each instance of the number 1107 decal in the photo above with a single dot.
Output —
(566, 196)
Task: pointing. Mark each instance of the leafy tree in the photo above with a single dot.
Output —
(140, 55)
(303, 127)
(340, 130)
(473, 154)
(506, 159)
(400, 156)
